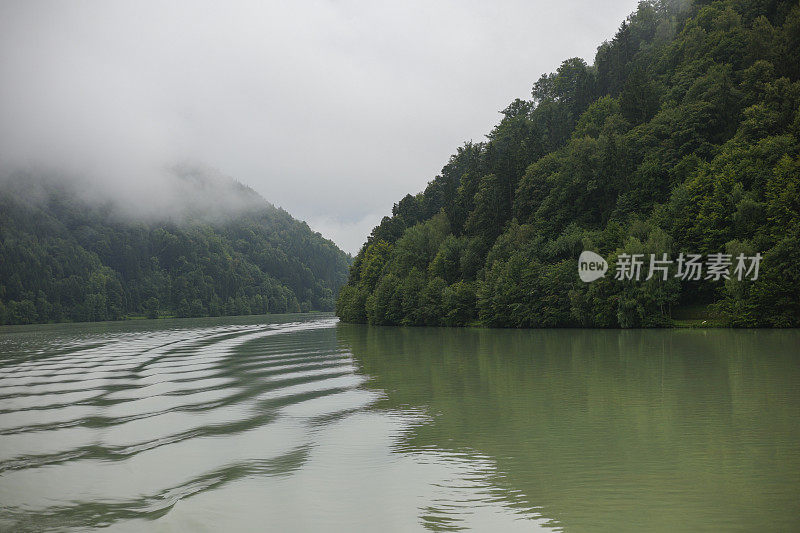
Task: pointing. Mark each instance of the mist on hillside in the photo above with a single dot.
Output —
(331, 110)
(179, 194)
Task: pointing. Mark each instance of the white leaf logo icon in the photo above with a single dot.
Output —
(591, 266)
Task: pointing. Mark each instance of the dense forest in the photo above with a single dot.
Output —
(681, 137)
(63, 258)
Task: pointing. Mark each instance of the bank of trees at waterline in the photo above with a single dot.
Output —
(683, 136)
(65, 259)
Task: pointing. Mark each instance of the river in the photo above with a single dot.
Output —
(300, 423)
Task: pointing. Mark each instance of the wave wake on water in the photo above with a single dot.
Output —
(222, 425)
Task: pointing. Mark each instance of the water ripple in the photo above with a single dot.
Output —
(122, 426)
(186, 410)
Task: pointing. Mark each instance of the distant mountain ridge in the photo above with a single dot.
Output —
(223, 251)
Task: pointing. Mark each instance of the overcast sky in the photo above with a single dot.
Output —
(333, 110)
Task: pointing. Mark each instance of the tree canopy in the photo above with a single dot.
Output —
(64, 259)
(683, 136)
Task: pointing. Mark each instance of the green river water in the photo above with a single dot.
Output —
(300, 423)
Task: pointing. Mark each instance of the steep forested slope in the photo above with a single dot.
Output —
(681, 137)
(63, 258)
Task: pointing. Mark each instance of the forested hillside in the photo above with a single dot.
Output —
(681, 137)
(63, 258)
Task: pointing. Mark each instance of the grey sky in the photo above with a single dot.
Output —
(332, 110)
